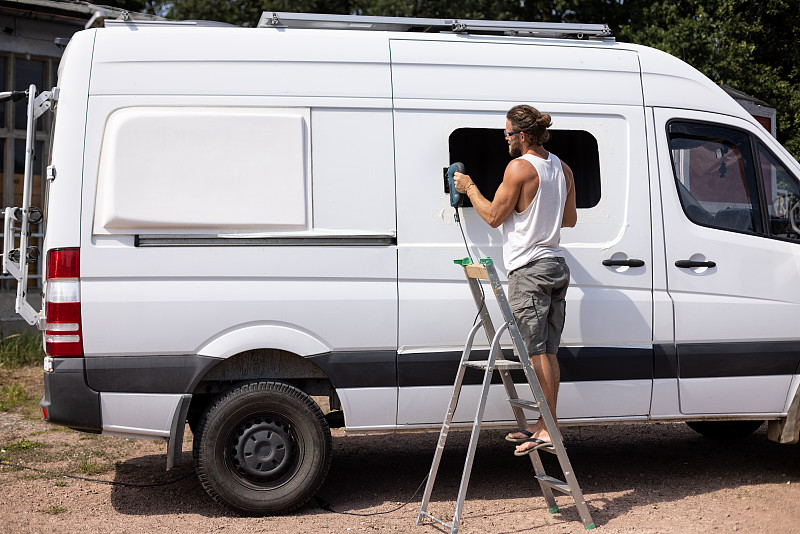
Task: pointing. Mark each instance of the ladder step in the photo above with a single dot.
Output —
(554, 483)
(498, 364)
(436, 520)
(524, 404)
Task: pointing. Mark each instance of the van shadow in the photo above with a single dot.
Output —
(619, 467)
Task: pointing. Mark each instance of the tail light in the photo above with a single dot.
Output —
(63, 336)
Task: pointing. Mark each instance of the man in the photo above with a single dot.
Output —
(534, 201)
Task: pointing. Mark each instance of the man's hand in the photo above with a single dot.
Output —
(462, 182)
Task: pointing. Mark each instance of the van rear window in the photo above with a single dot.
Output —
(484, 152)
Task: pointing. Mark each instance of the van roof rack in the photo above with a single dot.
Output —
(273, 19)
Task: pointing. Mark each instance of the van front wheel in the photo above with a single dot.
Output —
(263, 448)
(725, 430)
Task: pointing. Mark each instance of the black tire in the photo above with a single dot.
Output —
(262, 448)
(725, 430)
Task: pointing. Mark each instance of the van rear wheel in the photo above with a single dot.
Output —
(263, 448)
(725, 430)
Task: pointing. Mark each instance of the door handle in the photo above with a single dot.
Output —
(686, 264)
(624, 263)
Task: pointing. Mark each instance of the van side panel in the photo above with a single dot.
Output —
(463, 70)
(240, 62)
(324, 284)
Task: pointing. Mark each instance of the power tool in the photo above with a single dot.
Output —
(456, 198)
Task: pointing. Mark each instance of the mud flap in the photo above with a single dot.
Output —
(787, 429)
(175, 444)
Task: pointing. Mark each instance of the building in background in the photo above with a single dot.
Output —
(763, 112)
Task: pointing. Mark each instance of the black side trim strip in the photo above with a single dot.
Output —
(147, 374)
(704, 360)
(578, 364)
(362, 369)
(289, 241)
(665, 361)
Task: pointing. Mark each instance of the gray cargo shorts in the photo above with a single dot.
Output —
(536, 293)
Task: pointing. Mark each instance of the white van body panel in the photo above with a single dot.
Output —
(669, 82)
(245, 62)
(66, 155)
(369, 409)
(468, 69)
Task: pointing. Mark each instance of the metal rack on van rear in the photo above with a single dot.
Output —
(558, 30)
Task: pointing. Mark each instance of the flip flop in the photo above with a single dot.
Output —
(540, 444)
(528, 435)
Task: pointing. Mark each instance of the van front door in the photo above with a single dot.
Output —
(732, 254)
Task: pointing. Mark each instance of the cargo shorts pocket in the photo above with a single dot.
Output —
(530, 311)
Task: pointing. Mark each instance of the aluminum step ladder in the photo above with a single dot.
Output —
(496, 362)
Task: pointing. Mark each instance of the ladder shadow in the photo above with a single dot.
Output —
(619, 468)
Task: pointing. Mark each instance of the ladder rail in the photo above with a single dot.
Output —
(475, 273)
(476, 427)
(545, 412)
(448, 419)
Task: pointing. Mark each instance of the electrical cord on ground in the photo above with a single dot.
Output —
(97, 480)
(323, 504)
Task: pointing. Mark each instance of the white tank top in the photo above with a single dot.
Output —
(536, 232)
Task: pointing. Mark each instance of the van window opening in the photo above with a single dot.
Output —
(715, 176)
(484, 152)
(782, 193)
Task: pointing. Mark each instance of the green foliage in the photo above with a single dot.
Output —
(55, 510)
(746, 44)
(21, 445)
(18, 350)
(92, 467)
(10, 396)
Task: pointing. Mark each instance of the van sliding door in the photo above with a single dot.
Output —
(455, 110)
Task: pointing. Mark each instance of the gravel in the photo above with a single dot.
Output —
(636, 478)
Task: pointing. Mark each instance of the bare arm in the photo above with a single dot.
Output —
(570, 211)
(506, 197)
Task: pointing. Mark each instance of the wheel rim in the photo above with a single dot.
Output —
(263, 451)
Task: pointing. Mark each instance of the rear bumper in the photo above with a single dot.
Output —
(68, 399)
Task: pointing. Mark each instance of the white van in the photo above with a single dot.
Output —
(239, 220)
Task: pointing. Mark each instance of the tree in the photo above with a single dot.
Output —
(746, 44)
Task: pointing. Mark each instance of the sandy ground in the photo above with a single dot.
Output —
(636, 478)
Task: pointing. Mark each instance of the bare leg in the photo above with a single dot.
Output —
(549, 375)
